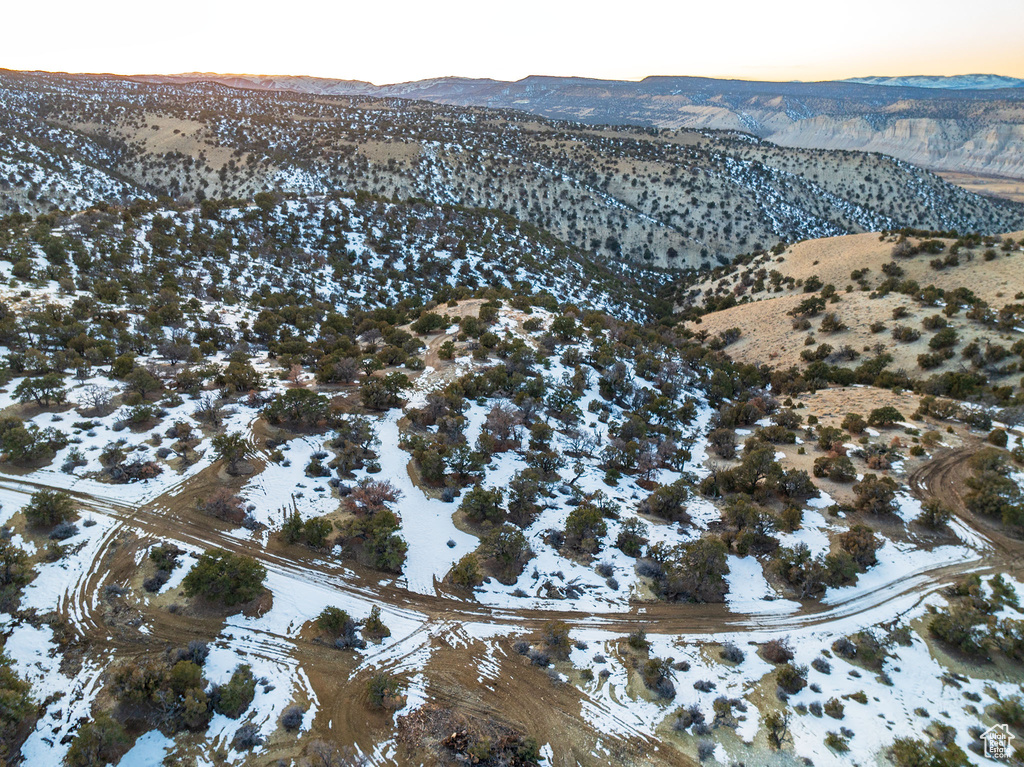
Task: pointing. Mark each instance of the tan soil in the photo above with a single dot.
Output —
(768, 335)
(993, 186)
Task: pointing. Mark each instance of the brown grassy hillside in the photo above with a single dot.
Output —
(872, 292)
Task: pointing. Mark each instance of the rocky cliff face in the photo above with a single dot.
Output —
(996, 149)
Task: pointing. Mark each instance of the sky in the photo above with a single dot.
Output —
(388, 42)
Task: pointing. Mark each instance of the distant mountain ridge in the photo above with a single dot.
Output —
(653, 85)
(954, 82)
(677, 198)
(968, 124)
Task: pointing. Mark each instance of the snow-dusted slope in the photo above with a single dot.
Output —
(953, 82)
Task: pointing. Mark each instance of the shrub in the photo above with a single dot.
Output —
(481, 751)
(374, 627)
(695, 571)
(556, 639)
(656, 675)
(705, 749)
(64, 530)
(510, 549)
(370, 496)
(934, 514)
(156, 582)
(638, 640)
(539, 658)
(46, 508)
(101, 741)
(291, 717)
(246, 737)
(885, 416)
(997, 437)
(17, 707)
(223, 504)
(668, 502)
(962, 627)
(1009, 711)
(905, 334)
(384, 691)
(837, 742)
(732, 653)
(466, 572)
(844, 648)
(792, 679)
(195, 651)
(777, 651)
(632, 537)
(834, 708)
(584, 529)
(226, 578)
(481, 504)
(875, 495)
(908, 752)
(685, 717)
(233, 698)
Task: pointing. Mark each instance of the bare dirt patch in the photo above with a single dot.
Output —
(993, 186)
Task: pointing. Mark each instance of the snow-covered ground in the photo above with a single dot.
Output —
(889, 591)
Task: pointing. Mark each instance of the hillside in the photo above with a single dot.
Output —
(662, 198)
(314, 478)
(949, 124)
(889, 294)
(365, 431)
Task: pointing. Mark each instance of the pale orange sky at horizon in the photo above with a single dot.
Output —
(403, 41)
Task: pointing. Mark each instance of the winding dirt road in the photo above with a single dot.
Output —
(157, 520)
(172, 517)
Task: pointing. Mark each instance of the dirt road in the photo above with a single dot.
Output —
(453, 673)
